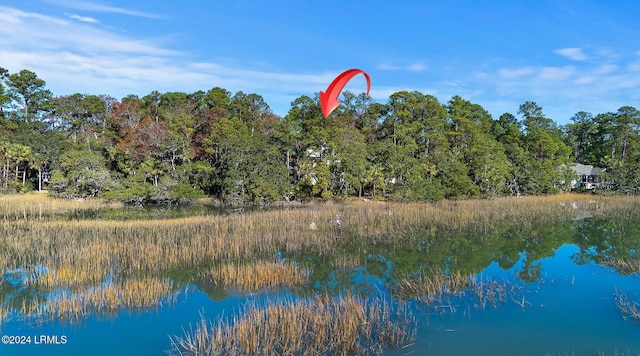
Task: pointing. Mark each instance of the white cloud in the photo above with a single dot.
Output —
(84, 18)
(387, 66)
(16, 17)
(454, 83)
(605, 69)
(37, 32)
(586, 80)
(382, 93)
(413, 67)
(74, 56)
(562, 91)
(574, 53)
(96, 7)
(556, 73)
(417, 67)
(515, 73)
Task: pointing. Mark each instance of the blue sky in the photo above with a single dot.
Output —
(565, 55)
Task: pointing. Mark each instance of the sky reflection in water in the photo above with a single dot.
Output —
(569, 305)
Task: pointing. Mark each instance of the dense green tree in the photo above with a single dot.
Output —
(82, 116)
(246, 167)
(30, 99)
(582, 137)
(546, 153)
(176, 146)
(82, 174)
(413, 144)
(473, 141)
(4, 95)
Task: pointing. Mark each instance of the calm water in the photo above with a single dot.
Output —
(563, 305)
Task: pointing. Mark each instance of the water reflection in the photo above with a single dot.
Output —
(509, 268)
(366, 269)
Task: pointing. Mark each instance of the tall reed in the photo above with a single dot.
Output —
(624, 265)
(258, 275)
(431, 287)
(344, 325)
(108, 297)
(438, 288)
(42, 207)
(627, 307)
(80, 254)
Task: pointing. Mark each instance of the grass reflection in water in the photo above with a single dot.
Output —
(343, 255)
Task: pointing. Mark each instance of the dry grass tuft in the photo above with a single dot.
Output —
(36, 206)
(624, 266)
(437, 288)
(628, 308)
(257, 276)
(345, 325)
(79, 254)
(108, 298)
(4, 312)
(489, 292)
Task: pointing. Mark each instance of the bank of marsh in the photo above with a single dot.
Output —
(65, 267)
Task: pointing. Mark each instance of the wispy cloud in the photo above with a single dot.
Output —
(605, 69)
(84, 18)
(561, 89)
(572, 53)
(413, 67)
(101, 8)
(515, 73)
(417, 67)
(556, 73)
(13, 16)
(387, 66)
(74, 56)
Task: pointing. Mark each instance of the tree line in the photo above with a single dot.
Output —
(174, 146)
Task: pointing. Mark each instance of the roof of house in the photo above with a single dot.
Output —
(589, 170)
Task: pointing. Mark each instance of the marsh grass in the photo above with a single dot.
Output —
(260, 275)
(625, 266)
(627, 307)
(80, 254)
(43, 207)
(489, 292)
(107, 298)
(437, 289)
(346, 262)
(4, 310)
(343, 325)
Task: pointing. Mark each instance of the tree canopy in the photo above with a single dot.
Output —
(179, 146)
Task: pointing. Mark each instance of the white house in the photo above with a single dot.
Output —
(587, 176)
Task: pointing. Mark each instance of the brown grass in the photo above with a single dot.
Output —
(437, 288)
(80, 254)
(345, 325)
(257, 276)
(109, 297)
(490, 292)
(624, 266)
(4, 312)
(35, 206)
(432, 288)
(627, 307)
